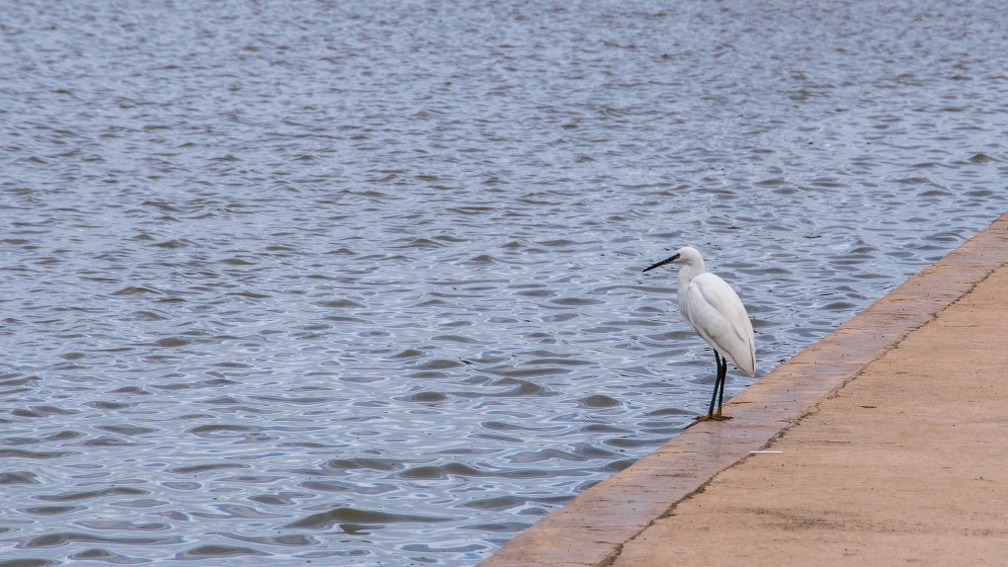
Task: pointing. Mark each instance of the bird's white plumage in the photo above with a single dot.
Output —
(715, 311)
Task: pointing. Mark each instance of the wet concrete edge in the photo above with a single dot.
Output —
(591, 529)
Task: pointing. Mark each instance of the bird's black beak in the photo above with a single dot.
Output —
(662, 263)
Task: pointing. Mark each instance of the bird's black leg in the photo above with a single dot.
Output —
(723, 374)
(722, 367)
(718, 395)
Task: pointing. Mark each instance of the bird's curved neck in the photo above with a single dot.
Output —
(690, 271)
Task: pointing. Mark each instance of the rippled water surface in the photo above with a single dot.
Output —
(359, 283)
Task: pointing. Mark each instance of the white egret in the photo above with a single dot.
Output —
(716, 313)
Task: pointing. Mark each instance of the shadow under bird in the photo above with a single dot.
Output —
(716, 313)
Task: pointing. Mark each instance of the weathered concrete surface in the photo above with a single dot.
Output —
(892, 435)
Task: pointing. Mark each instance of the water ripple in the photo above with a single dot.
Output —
(360, 284)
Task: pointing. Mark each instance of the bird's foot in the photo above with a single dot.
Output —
(715, 417)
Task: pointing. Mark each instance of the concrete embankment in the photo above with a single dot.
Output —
(885, 442)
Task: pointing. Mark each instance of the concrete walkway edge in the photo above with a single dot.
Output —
(592, 529)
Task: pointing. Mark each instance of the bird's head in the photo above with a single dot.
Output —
(686, 255)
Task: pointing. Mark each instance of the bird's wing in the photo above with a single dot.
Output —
(717, 314)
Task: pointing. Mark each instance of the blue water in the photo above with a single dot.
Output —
(359, 283)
